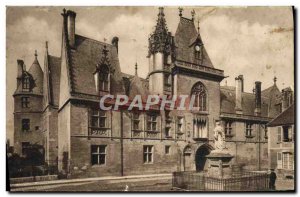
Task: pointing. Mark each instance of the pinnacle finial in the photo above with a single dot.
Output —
(46, 44)
(198, 26)
(275, 79)
(180, 11)
(136, 67)
(35, 53)
(161, 10)
(193, 14)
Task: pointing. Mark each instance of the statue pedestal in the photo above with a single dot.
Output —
(219, 164)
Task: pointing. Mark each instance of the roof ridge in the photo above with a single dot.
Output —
(94, 40)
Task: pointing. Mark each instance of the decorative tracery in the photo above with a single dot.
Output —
(199, 91)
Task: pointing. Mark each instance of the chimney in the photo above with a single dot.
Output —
(21, 69)
(71, 27)
(257, 110)
(115, 43)
(287, 98)
(238, 94)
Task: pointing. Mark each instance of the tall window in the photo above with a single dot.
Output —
(249, 130)
(200, 127)
(167, 150)
(135, 121)
(180, 124)
(151, 122)
(287, 133)
(25, 102)
(98, 119)
(287, 161)
(104, 78)
(200, 94)
(98, 154)
(26, 83)
(228, 128)
(148, 154)
(25, 124)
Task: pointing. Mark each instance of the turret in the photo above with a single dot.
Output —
(160, 47)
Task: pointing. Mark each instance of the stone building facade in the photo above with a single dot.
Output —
(65, 117)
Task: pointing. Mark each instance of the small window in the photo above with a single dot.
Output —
(25, 84)
(104, 78)
(37, 128)
(228, 128)
(167, 132)
(25, 125)
(167, 150)
(152, 122)
(98, 119)
(148, 154)
(249, 130)
(135, 121)
(98, 154)
(25, 102)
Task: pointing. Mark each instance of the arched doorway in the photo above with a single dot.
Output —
(200, 157)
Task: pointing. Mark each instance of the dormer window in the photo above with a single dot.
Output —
(26, 84)
(198, 51)
(104, 79)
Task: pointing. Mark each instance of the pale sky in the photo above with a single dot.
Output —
(254, 41)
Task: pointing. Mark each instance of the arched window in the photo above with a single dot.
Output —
(104, 78)
(200, 96)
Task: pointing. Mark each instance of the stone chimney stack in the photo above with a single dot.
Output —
(21, 68)
(287, 98)
(238, 94)
(71, 27)
(257, 110)
(115, 43)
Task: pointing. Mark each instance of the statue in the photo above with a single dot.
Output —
(219, 137)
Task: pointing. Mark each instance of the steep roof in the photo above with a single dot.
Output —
(54, 75)
(248, 102)
(84, 59)
(285, 118)
(186, 35)
(273, 96)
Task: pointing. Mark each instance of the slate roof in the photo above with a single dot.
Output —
(84, 59)
(186, 34)
(248, 102)
(37, 73)
(285, 118)
(54, 75)
(135, 85)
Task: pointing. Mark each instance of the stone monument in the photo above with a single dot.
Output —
(219, 159)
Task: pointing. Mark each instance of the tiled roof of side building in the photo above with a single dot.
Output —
(184, 51)
(84, 59)
(285, 118)
(54, 68)
(248, 102)
(135, 85)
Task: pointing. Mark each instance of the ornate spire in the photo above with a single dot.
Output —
(193, 14)
(35, 53)
(136, 67)
(180, 11)
(275, 79)
(159, 40)
(198, 27)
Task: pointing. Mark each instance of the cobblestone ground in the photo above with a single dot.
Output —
(285, 184)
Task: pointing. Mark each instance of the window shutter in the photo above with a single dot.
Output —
(279, 160)
(279, 134)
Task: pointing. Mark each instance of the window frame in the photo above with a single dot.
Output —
(26, 83)
(148, 152)
(228, 127)
(99, 154)
(152, 122)
(249, 129)
(201, 97)
(25, 124)
(180, 124)
(96, 114)
(25, 102)
(167, 149)
(104, 79)
(136, 120)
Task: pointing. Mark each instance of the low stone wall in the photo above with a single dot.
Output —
(32, 179)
